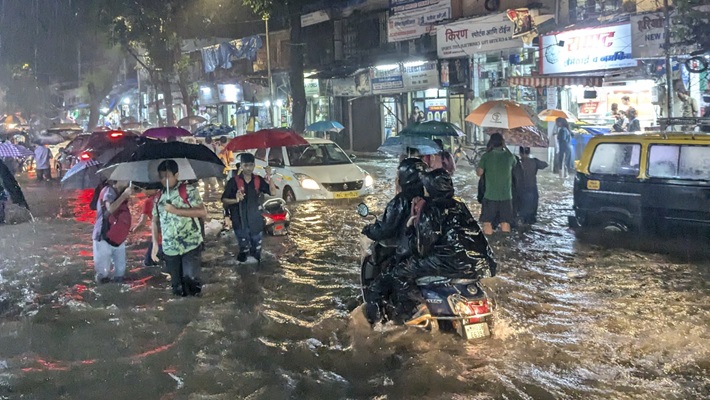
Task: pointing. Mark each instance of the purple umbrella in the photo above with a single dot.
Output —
(8, 149)
(166, 132)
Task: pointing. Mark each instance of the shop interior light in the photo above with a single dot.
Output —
(387, 67)
(206, 89)
(105, 110)
(279, 103)
(126, 100)
(267, 104)
(414, 64)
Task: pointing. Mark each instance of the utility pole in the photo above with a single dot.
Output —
(268, 68)
(669, 71)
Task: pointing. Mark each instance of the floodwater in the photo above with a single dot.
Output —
(587, 319)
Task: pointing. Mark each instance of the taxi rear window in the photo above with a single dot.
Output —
(616, 159)
(679, 162)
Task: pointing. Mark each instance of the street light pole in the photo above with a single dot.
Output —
(268, 68)
(669, 71)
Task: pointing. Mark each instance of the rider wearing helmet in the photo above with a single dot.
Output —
(445, 238)
(391, 231)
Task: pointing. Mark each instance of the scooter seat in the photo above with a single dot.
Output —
(442, 280)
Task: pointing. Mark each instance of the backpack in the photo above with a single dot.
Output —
(115, 227)
(241, 184)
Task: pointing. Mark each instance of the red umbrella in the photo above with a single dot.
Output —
(166, 132)
(265, 139)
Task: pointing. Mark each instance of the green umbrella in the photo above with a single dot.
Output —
(432, 128)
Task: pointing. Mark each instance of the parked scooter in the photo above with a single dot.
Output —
(277, 217)
(460, 305)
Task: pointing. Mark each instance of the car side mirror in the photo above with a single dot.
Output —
(363, 210)
(276, 163)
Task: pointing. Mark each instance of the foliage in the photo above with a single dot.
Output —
(690, 23)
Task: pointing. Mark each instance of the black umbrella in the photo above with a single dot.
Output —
(12, 187)
(194, 162)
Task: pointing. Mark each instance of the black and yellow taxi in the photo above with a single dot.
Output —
(644, 182)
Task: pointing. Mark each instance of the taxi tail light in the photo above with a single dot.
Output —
(85, 156)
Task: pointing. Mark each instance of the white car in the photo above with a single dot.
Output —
(319, 170)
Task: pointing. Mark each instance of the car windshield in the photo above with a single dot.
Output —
(317, 154)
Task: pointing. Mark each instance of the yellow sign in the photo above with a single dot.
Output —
(593, 185)
(346, 195)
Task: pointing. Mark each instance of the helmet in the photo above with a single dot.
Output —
(438, 184)
(408, 173)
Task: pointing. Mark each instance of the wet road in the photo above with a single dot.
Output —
(576, 318)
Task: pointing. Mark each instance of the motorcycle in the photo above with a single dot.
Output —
(277, 217)
(460, 305)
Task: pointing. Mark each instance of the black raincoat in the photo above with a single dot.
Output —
(393, 226)
(13, 188)
(447, 241)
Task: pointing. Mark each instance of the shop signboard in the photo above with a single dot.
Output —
(591, 49)
(590, 107)
(649, 38)
(387, 80)
(312, 87)
(408, 25)
(208, 95)
(355, 86)
(403, 6)
(421, 77)
(314, 18)
(478, 35)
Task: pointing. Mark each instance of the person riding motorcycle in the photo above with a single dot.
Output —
(445, 238)
(391, 230)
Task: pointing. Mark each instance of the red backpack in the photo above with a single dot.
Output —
(115, 227)
(241, 184)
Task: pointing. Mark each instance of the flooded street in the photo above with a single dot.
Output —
(576, 318)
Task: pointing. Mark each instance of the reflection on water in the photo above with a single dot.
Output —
(576, 318)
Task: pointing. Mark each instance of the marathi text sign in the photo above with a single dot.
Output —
(479, 35)
(590, 49)
(403, 6)
(649, 37)
(414, 24)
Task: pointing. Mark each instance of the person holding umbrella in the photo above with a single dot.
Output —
(241, 199)
(497, 165)
(176, 217)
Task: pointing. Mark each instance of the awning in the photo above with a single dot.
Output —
(548, 81)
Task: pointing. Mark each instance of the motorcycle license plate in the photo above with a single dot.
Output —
(346, 195)
(476, 331)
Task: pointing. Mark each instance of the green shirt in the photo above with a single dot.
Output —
(180, 235)
(497, 165)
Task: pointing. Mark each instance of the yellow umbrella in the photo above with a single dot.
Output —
(551, 114)
(500, 114)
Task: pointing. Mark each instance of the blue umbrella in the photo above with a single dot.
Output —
(397, 145)
(325, 126)
(82, 176)
(212, 130)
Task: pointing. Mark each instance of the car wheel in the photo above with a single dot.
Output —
(613, 225)
(289, 196)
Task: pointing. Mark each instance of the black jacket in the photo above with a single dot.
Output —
(447, 241)
(393, 225)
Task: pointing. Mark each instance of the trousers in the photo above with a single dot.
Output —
(106, 255)
(249, 243)
(184, 272)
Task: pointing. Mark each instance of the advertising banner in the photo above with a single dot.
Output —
(355, 86)
(478, 35)
(588, 49)
(314, 18)
(648, 37)
(413, 24)
(387, 80)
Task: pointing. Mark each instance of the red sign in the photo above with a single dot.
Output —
(589, 108)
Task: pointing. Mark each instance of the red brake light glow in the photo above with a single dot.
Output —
(85, 156)
(115, 135)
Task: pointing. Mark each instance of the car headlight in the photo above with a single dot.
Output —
(369, 181)
(307, 182)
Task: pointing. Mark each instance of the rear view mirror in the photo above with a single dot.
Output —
(363, 210)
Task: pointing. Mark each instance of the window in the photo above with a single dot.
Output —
(276, 156)
(316, 154)
(679, 162)
(260, 154)
(616, 159)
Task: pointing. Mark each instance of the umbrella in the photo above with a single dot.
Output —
(397, 145)
(325, 126)
(500, 114)
(192, 120)
(65, 127)
(551, 115)
(12, 187)
(50, 139)
(166, 132)
(194, 162)
(213, 130)
(265, 139)
(8, 149)
(127, 146)
(432, 128)
(83, 175)
(527, 136)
